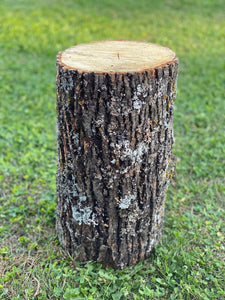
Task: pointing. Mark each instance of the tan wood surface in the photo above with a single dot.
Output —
(116, 56)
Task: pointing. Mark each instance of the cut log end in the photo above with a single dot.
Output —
(116, 57)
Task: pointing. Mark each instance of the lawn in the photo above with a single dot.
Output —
(189, 262)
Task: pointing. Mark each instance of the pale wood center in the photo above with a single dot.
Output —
(116, 56)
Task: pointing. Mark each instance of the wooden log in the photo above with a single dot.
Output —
(115, 103)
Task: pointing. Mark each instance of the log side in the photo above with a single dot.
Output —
(115, 160)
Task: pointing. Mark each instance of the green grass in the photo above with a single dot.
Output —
(189, 263)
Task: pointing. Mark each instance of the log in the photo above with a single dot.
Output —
(115, 104)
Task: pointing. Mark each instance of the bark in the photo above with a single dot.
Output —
(115, 161)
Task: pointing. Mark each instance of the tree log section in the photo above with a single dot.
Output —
(115, 103)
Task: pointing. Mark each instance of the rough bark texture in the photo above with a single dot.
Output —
(115, 161)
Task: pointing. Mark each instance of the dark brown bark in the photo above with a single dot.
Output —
(115, 161)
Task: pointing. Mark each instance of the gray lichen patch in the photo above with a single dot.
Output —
(66, 83)
(136, 154)
(75, 138)
(69, 228)
(83, 198)
(139, 151)
(140, 94)
(152, 243)
(137, 104)
(142, 90)
(126, 201)
(83, 215)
